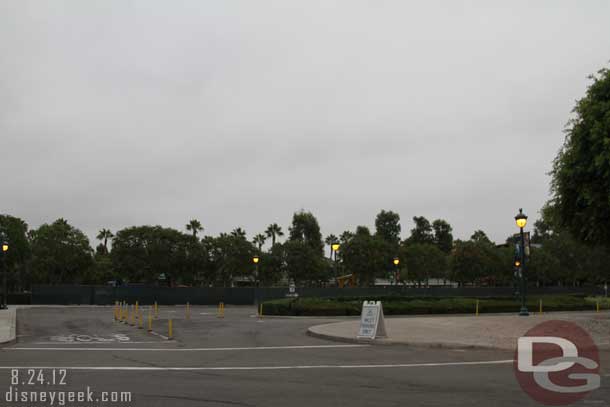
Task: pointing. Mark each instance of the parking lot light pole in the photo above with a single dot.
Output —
(4, 274)
(335, 247)
(521, 220)
(396, 262)
(255, 260)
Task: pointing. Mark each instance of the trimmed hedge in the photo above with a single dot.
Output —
(394, 305)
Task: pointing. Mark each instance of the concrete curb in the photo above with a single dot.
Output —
(316, 333)
(12, 330)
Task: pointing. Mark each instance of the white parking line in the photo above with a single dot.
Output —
(89, 344)
(187, 349)
(157, 368)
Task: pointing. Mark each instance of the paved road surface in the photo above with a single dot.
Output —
(241, 361)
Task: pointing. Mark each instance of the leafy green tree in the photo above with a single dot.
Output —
(60, 254)
(476, 261)
(101, 272)
(581, 170)
(304, 264)
(274, 231)
(15, 231)
(194, 226)
(232, 256)
(362, 231)
(305, 228)
(366, 257)
(387, 227)
(143, 253)
(543, 266)
(272, 267)
(481, 237)
(443, 237)
(543, 227)
(18, 257)
(259, 241)
(422, 233)
(305, 250)
(424, 261)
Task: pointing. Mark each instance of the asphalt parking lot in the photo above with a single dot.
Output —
(241, 360)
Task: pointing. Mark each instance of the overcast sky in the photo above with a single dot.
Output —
(239, 113)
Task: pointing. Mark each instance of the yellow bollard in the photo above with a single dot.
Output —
(477, 309)
(133, 317)
(540, 310)
(149, 322)
(188, 310)
(170, 330)
(137, 307)
(221, 310)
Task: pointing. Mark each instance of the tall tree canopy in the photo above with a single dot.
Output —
(422, 232)
(581, 170)
(15, 231)
(424, 261)
(259, 241)
(480, 237)
(61, 253)
(143, 253)
(366, 256)
(104, 235)
(387, 227)
(274, 231)
(305, 228)
(443, 237)
(194, 226)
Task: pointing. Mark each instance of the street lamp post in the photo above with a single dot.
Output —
(396, 262)
(255, 260)
(335, 247)
(521, 220)
(4, 274)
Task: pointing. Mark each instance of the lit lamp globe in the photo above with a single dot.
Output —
(521, 219)
(5, 247)
(335, 247)
(255, 259)
(396, 261)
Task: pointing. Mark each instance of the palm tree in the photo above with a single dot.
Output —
(259, 240)
(330, 240)
(104, 235)
(346, 237)
(274, 230)
(194, 226)
(238, 232)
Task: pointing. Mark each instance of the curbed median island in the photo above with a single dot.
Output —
(395, 305)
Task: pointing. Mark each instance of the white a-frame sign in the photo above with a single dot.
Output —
(372, 324)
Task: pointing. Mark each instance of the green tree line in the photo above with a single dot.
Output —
(59, 253)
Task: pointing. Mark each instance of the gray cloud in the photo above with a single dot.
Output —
(116, 113)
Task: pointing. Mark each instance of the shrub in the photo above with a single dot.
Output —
(395, 305)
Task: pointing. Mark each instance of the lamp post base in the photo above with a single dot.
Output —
(524, 312)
